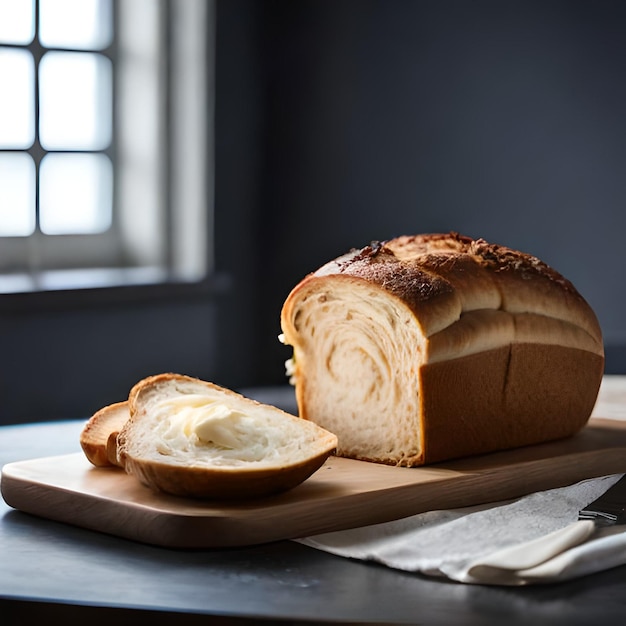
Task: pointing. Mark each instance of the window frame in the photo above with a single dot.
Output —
(181, 250)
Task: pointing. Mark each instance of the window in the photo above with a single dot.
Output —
(104, 141)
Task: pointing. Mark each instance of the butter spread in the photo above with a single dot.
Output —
(198, 420)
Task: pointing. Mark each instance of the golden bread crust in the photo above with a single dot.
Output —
(440, 276)
(98, 438)
(222, 484)
(506, 398)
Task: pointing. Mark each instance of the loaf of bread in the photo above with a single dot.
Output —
(189, 437)
(432, 347)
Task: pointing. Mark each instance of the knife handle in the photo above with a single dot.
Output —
(609, 508)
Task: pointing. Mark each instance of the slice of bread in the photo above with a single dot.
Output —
(189, 437)
(98, 439)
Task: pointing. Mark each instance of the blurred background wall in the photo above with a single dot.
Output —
(342, 122)
(498, 119)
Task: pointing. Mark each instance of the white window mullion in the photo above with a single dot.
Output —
(192, 114)
(141, 101)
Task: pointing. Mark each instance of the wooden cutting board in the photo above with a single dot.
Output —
(342, 494)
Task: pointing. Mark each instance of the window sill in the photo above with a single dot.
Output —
(61, 289)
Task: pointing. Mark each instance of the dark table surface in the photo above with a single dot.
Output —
(54, 571)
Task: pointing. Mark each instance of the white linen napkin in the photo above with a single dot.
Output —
(530, 540)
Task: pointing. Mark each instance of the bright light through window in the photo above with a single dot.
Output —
(17, 194)
(75, 24)
(17, 21)
(74, 101)
(75, 193)
(17, 104)
(66, 138)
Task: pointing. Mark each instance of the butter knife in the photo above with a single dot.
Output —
(610, 508)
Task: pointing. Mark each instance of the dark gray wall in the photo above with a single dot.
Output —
(340, 122)
(62, 361)
(499, 119)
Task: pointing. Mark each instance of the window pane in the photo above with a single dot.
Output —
(75, 101)
(17, 23)
(76, 193)
(77, 24)
(17, 194)
(17, 113)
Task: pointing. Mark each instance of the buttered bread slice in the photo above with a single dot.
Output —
(190, 437)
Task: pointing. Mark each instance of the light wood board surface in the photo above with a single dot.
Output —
(342, 494)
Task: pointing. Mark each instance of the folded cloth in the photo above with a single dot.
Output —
(531, 540)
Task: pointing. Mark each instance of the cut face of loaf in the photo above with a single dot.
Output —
(432, 347)
(189, 437)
